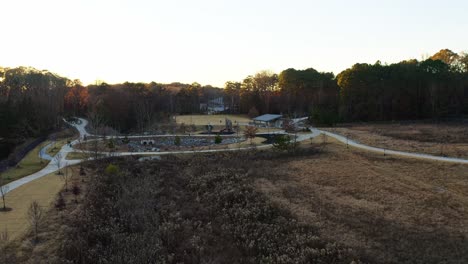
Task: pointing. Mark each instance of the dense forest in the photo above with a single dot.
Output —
(33, 102)
(430, 89)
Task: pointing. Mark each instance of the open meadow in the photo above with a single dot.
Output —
(445, 139)
(321, 204)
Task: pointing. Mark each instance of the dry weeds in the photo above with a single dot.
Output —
(392, 210)
(444, 140)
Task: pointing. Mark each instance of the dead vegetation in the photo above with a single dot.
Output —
(445, 139)
(390, 210)
(310, 206)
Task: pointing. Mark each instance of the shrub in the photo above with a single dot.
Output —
(182, 128)
(250, 132)
(111, 144)
(283, 142)
(112, 169)
(218, 139)
(60, 203)
(82, 171)
(76, 190)
(177, 141)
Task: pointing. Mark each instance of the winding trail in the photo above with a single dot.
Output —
(43, 152)
(59, 160)
(383, 151)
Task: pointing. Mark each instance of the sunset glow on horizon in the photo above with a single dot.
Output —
(212, 42)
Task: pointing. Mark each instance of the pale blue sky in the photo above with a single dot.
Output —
(212, 42)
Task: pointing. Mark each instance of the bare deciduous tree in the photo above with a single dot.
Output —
(35, 215)
(3, 190)
(65, 176)
(83, 149)
(95, 148)
(250, 132)
(96, 121)
(58, 162)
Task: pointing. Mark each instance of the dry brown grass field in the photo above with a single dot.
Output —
(386, 209)
(393, 210)
(437, 139)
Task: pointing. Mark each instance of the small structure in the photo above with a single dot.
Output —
(268, 120)
(214, 106)
(146, 142)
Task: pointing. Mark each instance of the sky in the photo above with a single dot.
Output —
(214, 41)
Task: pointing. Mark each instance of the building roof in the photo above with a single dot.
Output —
(267, 118)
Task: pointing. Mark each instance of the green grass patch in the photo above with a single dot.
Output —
(30, 164)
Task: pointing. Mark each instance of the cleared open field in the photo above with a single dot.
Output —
(203, 120)
(436, 139)
(391, 210)
(269, 205)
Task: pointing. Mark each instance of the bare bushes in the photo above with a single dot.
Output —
(201, 209)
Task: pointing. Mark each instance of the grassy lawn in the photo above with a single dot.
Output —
(28, 165)
(31, 163)
(202, 120)
(54, 149)
(42, 190)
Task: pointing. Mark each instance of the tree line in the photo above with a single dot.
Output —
(33, 102)
(436, 87)
(433, 88)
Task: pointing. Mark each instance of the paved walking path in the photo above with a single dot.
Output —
(43, 152)
(60, 158)
(353, 143)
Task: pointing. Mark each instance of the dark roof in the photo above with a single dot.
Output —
(267, 117)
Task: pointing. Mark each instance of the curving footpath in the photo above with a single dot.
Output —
(355, 144)
(43, 152)
(60, 157)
